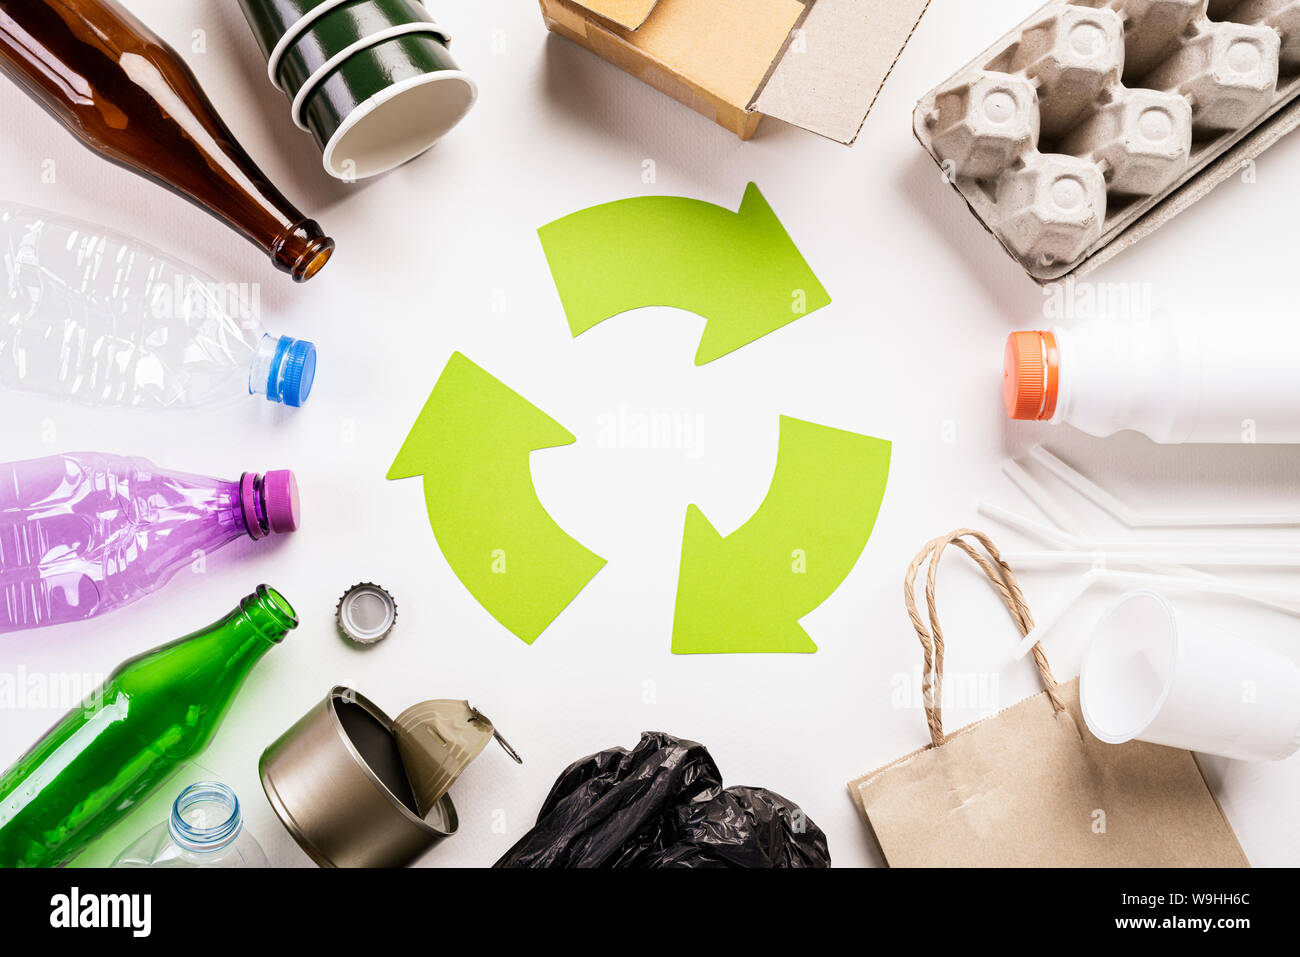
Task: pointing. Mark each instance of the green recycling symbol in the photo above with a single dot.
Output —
(740, 593)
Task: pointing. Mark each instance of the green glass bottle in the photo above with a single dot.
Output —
(155, 712)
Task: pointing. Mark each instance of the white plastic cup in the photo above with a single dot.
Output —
(1153, 674)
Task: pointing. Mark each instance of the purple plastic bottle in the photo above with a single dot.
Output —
(84, 533)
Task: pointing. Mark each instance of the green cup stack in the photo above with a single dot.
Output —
(372, 80)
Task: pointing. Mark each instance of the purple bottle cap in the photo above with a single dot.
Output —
(280, 493)
(270, 503)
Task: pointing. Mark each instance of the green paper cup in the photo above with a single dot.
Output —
(371, 80)
(387, 104)
(344, 30)
(279, 24)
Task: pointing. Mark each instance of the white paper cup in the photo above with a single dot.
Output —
(1154, 674)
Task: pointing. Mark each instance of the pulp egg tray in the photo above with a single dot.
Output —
(1085, 118)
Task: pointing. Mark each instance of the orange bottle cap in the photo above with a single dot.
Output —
(1031, 376)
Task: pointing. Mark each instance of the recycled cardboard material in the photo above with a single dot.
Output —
(1170, 100)
(817, 64)
(472, 443)
(1228, 165)
(745, 593)
(740, 271)
(1031, 787)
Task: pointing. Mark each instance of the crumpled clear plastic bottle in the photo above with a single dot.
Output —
(95, 317)
(205, 829)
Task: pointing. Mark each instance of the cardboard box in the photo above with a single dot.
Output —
(817, 64)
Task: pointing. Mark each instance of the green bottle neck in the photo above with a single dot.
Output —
(260, 622)
(206, 668)
(266, 613)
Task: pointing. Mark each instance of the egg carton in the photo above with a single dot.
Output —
(1079, 124)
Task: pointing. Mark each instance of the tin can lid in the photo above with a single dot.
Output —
(437, 740)
(366, 613)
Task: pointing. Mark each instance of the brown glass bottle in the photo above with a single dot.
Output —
(126, 94)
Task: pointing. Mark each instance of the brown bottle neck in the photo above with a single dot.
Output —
(124, 92)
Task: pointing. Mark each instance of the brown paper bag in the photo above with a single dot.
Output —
(1030, 786)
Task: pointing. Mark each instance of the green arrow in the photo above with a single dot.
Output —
(472, 443)
(740, 271)
(746, 593)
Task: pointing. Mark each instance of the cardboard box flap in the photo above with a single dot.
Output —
(829, 76)
(700, 42)
(629, 14)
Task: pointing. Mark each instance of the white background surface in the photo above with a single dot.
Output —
(442, 255)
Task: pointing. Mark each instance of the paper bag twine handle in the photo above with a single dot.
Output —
(1003, 579)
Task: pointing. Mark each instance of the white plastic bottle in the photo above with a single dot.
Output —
(205, 829)
(1218, 382)
(96, 317)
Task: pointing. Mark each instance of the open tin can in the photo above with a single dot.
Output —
(336, 781)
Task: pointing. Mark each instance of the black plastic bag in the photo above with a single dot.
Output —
(662, 805)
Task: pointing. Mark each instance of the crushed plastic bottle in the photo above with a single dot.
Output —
(86, 532)
(95, 317)
(205, 829)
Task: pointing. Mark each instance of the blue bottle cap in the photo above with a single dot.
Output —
(293, 370)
